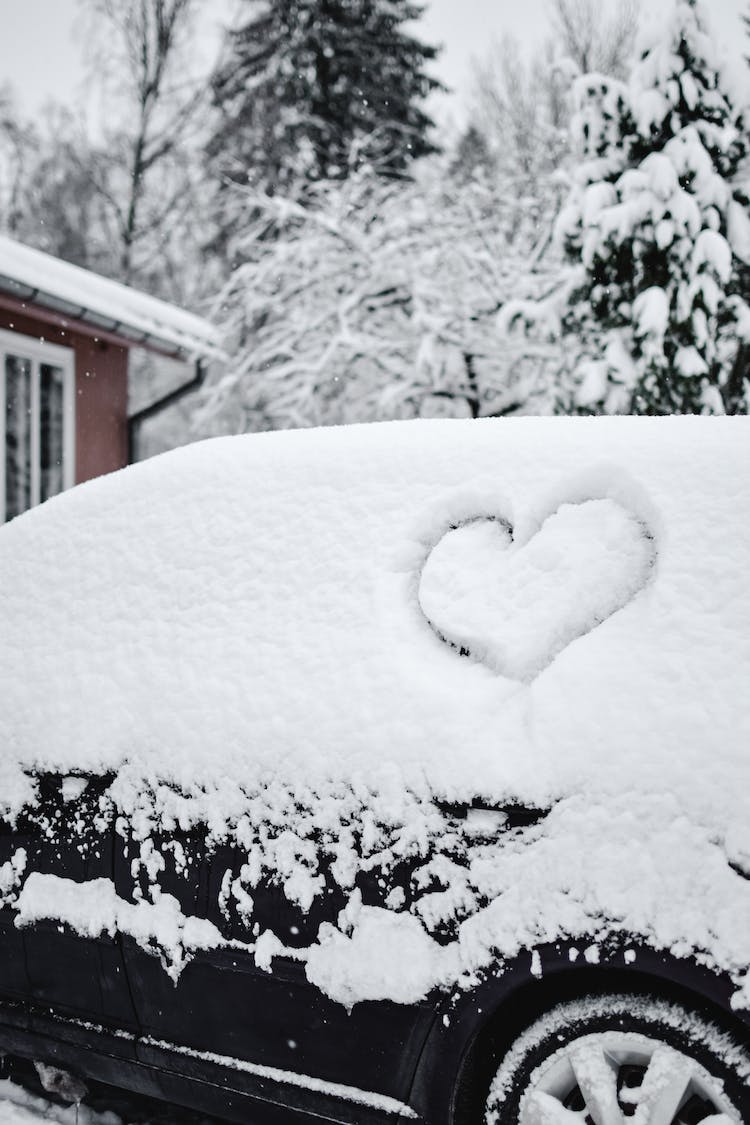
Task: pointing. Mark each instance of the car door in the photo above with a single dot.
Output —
(69, 834)
(14, 848)
(224, 1004)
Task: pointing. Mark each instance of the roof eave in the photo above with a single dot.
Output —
(78, 317)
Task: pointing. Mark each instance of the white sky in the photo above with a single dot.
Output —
(466, 28)
(41, 45)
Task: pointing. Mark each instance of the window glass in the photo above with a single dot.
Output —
(50, 430)
(17, 435)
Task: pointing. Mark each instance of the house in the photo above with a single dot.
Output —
(65, 338)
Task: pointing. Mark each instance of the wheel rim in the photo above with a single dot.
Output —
(623, 1078)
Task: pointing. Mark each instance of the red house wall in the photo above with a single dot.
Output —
(101, 380)
(101, 407)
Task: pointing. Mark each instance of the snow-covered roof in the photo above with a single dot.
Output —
(323, 631)
(41, 279)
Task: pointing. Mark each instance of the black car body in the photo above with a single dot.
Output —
(254, 1045)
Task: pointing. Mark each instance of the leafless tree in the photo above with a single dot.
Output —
(519, 106)
(150, 117)
(18, 144)
(60, 210)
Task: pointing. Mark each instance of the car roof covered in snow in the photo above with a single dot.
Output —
(39, 278)
(504, 606)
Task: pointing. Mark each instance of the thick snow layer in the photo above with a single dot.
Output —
(651, 311)
(11, 873)
(94, 908)
(501, 603)
(262, 633)
(115, 305)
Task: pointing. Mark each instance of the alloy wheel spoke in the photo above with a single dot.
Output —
(596, 1076)
(665, 1086)
(542, 1109)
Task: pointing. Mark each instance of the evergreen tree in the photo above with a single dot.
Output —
(471, 156)
(658, 226)
(308, 89)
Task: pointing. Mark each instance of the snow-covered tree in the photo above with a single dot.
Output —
(371, 298)
(658, 230)
(308, 85)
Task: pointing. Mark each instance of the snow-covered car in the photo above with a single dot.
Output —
(388, 773)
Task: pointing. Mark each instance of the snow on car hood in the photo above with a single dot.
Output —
(551, 612)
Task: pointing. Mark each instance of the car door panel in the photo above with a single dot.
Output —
(70, 835)
(14, 847)
(224, 1004)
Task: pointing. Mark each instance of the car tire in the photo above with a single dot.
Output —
(611, 1059)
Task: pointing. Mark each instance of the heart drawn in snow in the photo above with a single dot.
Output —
(515, 606)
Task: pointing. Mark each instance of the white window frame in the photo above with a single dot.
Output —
(39, 352)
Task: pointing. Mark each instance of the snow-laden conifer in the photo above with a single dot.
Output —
(658, 235)
(305, 84)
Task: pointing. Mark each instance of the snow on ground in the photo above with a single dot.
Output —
(19, 1106)
(305, 639)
